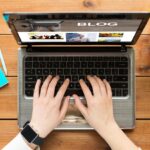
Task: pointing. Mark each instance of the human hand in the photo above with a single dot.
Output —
(99, 110)
(99, 113)
(47, 110)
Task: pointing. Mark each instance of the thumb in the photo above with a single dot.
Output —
(64, 107)
(80, 105)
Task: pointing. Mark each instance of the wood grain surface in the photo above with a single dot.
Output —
(61, 140)
(77, 140)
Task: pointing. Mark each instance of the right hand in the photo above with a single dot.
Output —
(99, 110)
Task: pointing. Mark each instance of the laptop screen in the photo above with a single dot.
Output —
(95, 29)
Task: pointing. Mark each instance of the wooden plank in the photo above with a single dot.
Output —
(142, 97)
(78, 5)
(142, 54)
(66, 140)
(8, 98)
(9, 49)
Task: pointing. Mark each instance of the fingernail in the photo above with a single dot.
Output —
(68, 79)
(80, 80)
(88, 76)
(57, 76)
(39, 79)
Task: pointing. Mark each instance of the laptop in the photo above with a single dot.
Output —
(74, 45)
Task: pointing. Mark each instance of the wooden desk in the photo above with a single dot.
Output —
(66, 140)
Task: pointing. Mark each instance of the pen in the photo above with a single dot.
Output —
(3, 62)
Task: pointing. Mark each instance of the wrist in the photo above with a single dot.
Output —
(111, 133)
(31, 136)
(31, 145)
(37, 129)
(107, 128)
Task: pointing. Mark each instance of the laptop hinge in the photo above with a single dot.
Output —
(123, 48)
(29, 48)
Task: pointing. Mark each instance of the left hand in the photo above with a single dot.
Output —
(47, 111)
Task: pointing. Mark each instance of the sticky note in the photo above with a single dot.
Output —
(3, 79)
(6, 17)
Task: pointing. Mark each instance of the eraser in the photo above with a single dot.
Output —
(3, 79)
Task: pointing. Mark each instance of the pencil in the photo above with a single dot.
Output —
(3, 62)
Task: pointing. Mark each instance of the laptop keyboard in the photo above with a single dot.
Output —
(113, 69)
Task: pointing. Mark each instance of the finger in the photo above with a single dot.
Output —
(45, 86)
(108, 87)
(86, 90)
(52, 86)
(101, 85)
(37, 89)
(64, 108)
(62, 90)
(95, 86)
(80, 106)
